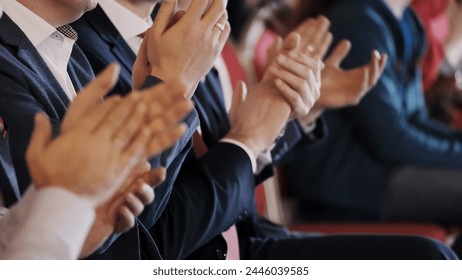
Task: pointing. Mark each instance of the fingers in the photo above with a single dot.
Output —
(171, 116)
(321, 50)
(296, 82)
(323, 25)
(292, 41)
(166, 11)
(116, 118)
(196, 10)
(155, 177)
(383, 64)
(126, 220)
(166, 103)
(339, 54)
(41, 136)
(91, 94)
(132, 125)
(224, 37)
(274, 50)
(97, 116)
(160, 97)
(162, 141)
(135, 149)
(98, 88)
(314, 36)
(306, 30)
(376, 68)
(141, 63)
(292, 97)
(298, 64)
(216, 13)
(238, 97)
(134, 204)
(145, 195)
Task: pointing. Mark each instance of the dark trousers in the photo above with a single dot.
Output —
(345, 247)
(425, 195)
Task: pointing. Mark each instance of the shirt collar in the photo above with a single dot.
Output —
(125, 21)
(34, 27)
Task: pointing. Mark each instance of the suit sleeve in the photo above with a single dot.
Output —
(18, 108)
(383, 124)
(209, 196)
(191, 121)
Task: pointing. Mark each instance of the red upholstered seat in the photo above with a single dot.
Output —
(428, 230)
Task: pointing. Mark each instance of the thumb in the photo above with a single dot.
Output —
(292, 41)
(90, 95)
(141, 62)
(274, 50)
(239, 96)
(41, 137)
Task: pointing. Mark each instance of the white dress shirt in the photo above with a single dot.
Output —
(129, 25)
(53, 46)
(51, 223)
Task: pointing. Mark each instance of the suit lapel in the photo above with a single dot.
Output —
(109, 33)
(11, 35)
(79, 69)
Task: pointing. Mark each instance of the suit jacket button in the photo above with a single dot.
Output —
(220, 254)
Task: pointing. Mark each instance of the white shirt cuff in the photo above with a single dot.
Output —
(246, 149)
(56, 226)
(307, 128)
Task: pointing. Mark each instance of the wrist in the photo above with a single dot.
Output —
(179, 82)
(251, 142)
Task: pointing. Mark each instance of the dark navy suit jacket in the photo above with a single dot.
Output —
(186, 222)
(29, 87)
(223, 178)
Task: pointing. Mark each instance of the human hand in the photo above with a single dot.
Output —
(341, 88)
(296, 75)
(92, 159)
(183, 53)
(258, 117)
(119, 213)
(165, 103)
(96, 146)
(316, 38)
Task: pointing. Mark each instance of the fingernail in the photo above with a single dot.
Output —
(377, 54)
